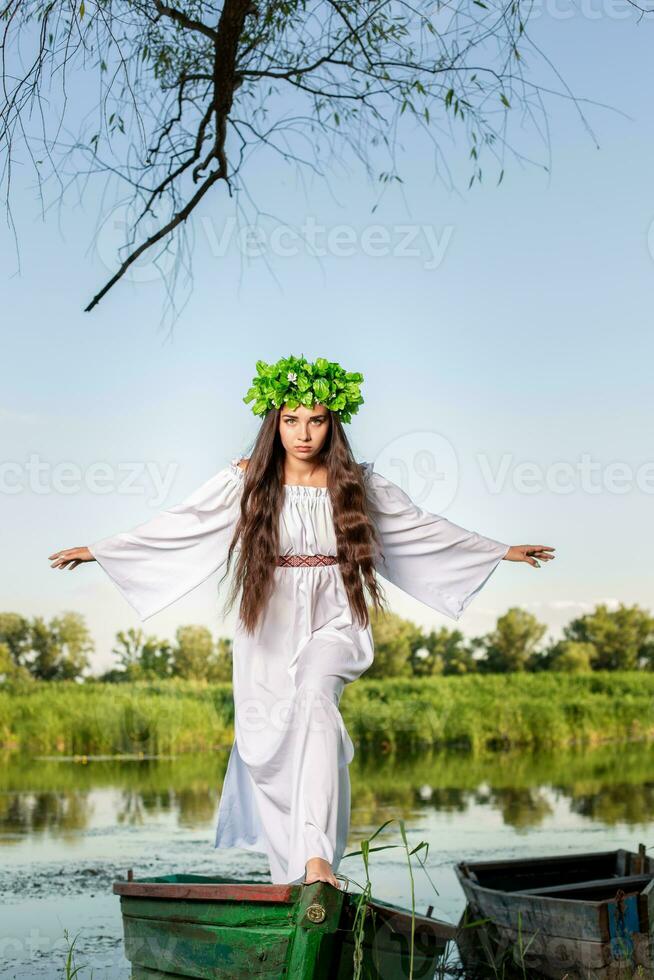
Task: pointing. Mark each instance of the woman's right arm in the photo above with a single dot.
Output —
(173, 552)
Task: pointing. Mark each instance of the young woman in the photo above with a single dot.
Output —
(309, 528)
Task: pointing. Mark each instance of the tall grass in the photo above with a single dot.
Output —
(537, 711)
(133, 719)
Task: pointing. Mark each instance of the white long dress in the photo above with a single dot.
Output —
(286, 791)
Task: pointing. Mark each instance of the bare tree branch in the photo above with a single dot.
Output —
(190, 91)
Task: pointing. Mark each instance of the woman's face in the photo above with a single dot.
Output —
(303, 430)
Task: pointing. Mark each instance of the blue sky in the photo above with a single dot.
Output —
(511, 335)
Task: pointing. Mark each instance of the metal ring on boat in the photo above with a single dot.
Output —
(316, 913)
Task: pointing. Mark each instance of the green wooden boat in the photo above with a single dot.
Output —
(188, 926)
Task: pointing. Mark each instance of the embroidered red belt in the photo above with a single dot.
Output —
(294, 560)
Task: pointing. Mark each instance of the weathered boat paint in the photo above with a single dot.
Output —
(586, 916)
(188, 926)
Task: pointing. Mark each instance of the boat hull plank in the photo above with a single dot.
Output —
(202, 952)
(557, 917)
(485, 949)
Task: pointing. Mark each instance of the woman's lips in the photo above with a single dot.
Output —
(303, 449)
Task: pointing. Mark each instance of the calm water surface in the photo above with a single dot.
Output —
(69, 829)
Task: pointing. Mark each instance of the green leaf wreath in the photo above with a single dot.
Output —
(294, 381)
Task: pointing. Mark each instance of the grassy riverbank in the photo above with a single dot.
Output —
(476, 712)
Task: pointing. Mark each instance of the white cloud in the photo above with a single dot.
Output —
(589, 604)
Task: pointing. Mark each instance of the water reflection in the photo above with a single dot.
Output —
(193, 806)
(37, 813)
(608, 785)
(621, 802)
(521, 808)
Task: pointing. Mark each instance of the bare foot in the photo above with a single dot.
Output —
(318, 869)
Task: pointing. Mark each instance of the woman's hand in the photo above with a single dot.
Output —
(529, 553)
(70, 557)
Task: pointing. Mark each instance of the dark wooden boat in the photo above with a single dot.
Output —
(586, 916)
(182, 926)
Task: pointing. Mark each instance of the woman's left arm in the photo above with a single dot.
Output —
(436, 561)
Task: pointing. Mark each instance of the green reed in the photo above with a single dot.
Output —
(71, 970)
(474, 713)
(364, 908)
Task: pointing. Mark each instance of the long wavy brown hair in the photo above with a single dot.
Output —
(357, 540)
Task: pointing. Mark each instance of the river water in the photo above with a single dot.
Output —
(69, 828)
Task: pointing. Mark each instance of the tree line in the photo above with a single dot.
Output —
(61, 650)
(604, 639)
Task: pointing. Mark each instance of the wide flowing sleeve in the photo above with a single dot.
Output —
(427, 556)
(167, 556)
